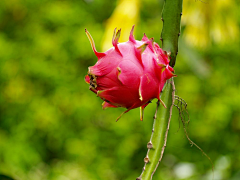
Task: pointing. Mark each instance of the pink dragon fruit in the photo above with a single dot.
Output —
(130, 74)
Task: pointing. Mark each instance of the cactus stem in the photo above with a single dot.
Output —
(171, 14)
(157, 143)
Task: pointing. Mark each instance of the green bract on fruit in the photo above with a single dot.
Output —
(130, 74)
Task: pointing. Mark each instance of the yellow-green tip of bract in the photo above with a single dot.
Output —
(98, 54)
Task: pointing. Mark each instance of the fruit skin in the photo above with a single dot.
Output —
(130, 74)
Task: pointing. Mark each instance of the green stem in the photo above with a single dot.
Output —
(171, 17)
(158, 140)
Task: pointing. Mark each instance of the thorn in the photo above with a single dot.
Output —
(92, 89)
(99, 92)
(162, 103)
(138, 52)
(114, 34)
(115, 39)
(142, 47)
(146, 159)
(119, 117)
(174, 75)
(98, 54)
(151, 44)
(162, 19)
(149, 145)
(144, 37)
(181, 14)
(179, 34)
(141, 113)
(169, 53)
(131, 37)
(122, 114)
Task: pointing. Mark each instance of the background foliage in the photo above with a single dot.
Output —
(52, 127)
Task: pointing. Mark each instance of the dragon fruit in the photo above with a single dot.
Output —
(130, 74)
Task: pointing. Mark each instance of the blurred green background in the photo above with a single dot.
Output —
(52, 127)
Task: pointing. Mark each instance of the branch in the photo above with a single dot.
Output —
(158, 140)
(171, 17)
